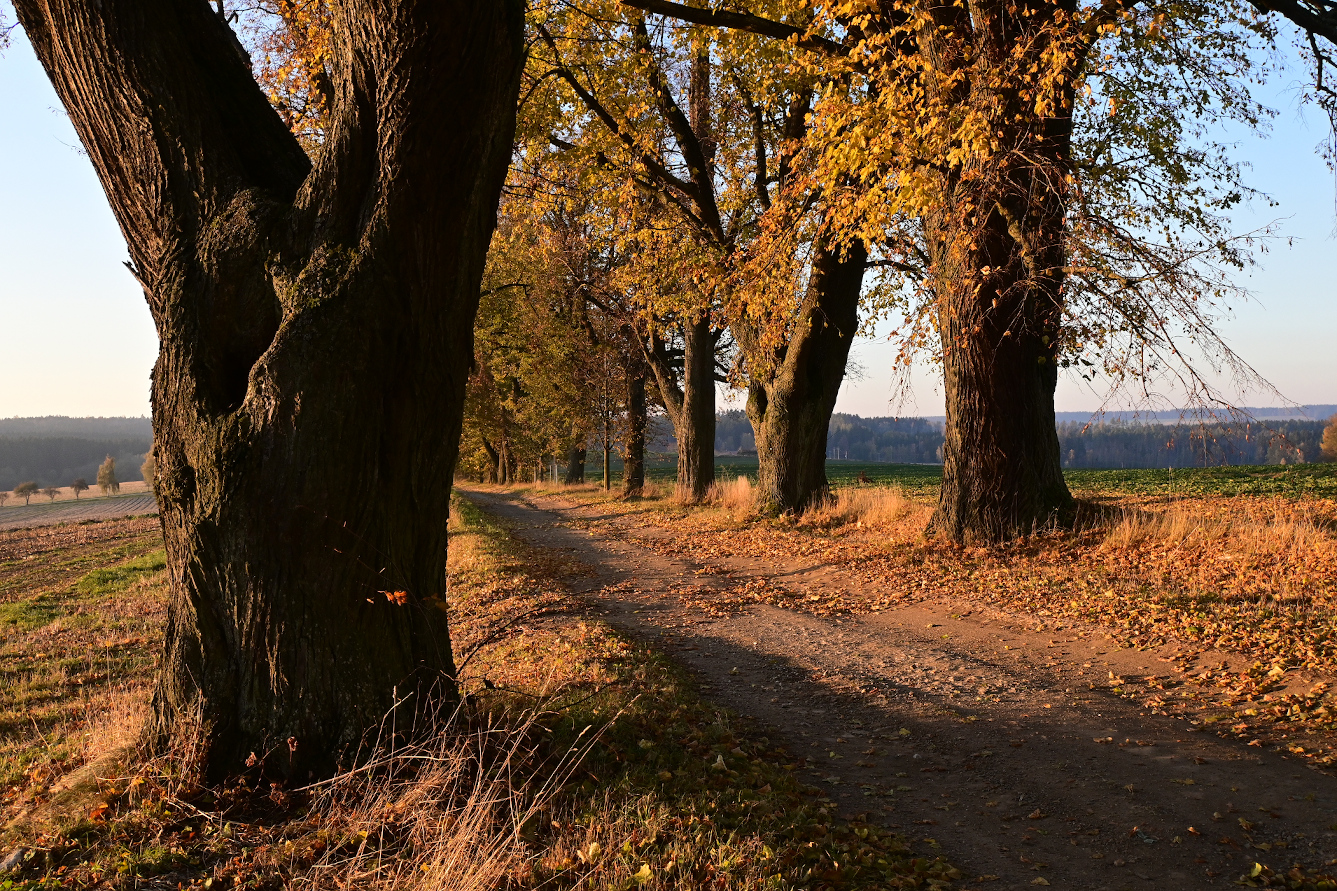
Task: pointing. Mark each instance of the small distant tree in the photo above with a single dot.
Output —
(51, 492)
(106, 477)
(4, 496)
(147, 469)
(79, 485)
(26, 491)
(1328, 446)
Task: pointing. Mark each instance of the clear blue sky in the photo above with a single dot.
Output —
(78, 340)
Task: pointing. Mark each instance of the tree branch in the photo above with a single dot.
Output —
(653, 164)
(689, 141)
(1315, 16)
(170, 116)
(742, 21)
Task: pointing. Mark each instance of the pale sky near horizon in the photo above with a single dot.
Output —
(78, 339)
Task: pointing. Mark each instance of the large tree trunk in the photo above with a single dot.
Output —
(493, 462)
(999, 290)
(791, 397)
(304, 484)
(695, 427)
(997, 251)
(575, 463)
(633, 461)
(689, 402)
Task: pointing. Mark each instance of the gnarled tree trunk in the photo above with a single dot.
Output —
(790, 399)
(633, 459)
(999, 286)
(493, 462)
(690, 405)
(575, 463)
(316, 335)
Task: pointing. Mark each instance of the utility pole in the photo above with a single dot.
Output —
(608, 434)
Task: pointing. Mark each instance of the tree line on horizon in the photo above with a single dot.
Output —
(107, 482)
(1114, 444)
(358, 258)
(59, 459)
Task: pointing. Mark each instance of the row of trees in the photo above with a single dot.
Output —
(1084, 445)
(64, 457)
(730, 195)
(1028, 186)
(106, 480)
(1191, 445)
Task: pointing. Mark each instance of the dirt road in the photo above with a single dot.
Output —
(1001, 748)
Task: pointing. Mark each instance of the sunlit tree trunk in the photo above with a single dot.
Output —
(690, 405)
(492, 472)
(633, 473)
(304, 483)
(790, 402)
(575, 463)
(997, 248)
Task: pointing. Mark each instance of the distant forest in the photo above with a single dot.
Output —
(1118, 444)
(894, 440)
(55, 451)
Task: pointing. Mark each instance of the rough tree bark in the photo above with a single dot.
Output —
(997, 251)
(690, 405)
(493, 462)
(633, 463)
(316, 332)
(575, 464)
(1002, 470)
(790, 401)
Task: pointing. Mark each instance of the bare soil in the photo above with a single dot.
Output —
(1004, 749)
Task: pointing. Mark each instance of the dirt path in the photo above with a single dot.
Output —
(973, 736)
(41, 513)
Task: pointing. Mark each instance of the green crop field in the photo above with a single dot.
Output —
(1295, 481)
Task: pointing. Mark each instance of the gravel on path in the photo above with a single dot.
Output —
(977, 738)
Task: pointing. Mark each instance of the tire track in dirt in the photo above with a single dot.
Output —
(973, 736)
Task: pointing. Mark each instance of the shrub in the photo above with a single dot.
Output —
(1328, 445)
(106, 477)
(149, 471)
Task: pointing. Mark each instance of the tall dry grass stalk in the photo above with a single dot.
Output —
(733, 495)
(1274, 531)
(115, 721)
(874, 506)
(650, 490)
(451, 813)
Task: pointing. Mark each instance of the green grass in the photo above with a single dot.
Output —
(1290, 481)
(27, 615)
(101, 582)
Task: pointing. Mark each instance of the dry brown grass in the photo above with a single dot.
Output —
(735, 495)
(1270, 530)
(877, 507)
(448, 814)
(650, 490)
